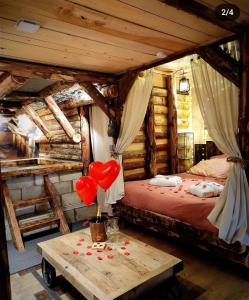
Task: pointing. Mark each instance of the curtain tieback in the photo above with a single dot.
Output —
(115, 154)
(238, 160)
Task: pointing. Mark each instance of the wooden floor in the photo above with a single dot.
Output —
(204, 277)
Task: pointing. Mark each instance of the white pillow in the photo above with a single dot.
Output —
(165, 180)
(206, 189)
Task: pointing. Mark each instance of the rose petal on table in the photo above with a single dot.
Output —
(100, 258)
(75, 252)
(89, 246)
(99, 250)
(89, 253)
(81, 240)
(109, 248)
(126, 253)
(123, 247)
(79, 244)
(110, 256)
(126, 242)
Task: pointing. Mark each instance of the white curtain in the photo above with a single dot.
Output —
(218, 100)
(133, 115)
(101, 144)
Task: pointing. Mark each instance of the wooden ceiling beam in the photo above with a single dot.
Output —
(99, 99)
(9, 83)
(63, 121)
(221, 62)
(10, 104)
(206, 13)
(32, 70)
(37, 120)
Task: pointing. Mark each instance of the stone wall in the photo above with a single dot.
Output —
(24, 188)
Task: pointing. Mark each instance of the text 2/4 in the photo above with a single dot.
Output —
(227, 11)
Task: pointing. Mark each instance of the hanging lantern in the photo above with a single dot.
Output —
(184, 86)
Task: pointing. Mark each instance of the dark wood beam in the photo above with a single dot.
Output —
(10, 104)
(9, 83)
(202, 11)
(32, 70)
(180, 54)
(99, 99)
(221, 62)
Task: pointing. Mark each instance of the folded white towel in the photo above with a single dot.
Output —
(206, 189)
(165, 180)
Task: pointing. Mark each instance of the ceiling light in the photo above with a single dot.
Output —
(27, 26)
(161, 54)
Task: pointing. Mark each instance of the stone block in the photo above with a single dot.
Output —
(63, 187)
(34, 192)
(70, 215)
(70, 176)
(39, 180)
(16, 183)
(15, 194)
(85, 212)
(54, 178)
(70, 199)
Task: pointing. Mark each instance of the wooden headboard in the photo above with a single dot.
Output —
(205, 151)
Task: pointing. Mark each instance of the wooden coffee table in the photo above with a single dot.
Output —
(126, 268)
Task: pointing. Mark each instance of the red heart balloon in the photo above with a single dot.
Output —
(86, 188)
(104, 173)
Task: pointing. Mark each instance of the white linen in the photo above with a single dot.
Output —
(218, 100)
(163, 180)
(133, 115)
(206, 189)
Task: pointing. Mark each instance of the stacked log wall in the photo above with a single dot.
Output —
(148, 153)
(67, 149)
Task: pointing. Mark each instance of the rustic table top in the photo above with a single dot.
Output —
(123, 265)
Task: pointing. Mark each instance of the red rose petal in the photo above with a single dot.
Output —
(75, 252)
(110, 256)
(126, 242)
(109, 248)
(123, 248)
(89, 253)
(99, 258)
(81, 240)
(79, 244)
(127, 253)
(89, 247)
(99, 250)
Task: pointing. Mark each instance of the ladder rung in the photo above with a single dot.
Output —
(29, 202)
(32, 225)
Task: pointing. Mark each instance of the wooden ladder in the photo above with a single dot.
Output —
(17, 228)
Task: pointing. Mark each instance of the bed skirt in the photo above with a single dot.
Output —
(187, 233)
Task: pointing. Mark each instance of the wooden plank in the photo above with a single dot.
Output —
(204, 12)
(60, 117)
(11, 216)
(85, 137)
(37, 120)
(31, 70)
(221, 62)
(30, 202)
(37, 224)
(10, 83)
(55, 204)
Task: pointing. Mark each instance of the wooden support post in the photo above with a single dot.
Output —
(13, 224)
(9, 83)
(37, 120)
(172, 128)
(63, 121)
(85, 144)
(55, 203)
(4, 262)
(99, 99)
(244, 98)
(151, 170)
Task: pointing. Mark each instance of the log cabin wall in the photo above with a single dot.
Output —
(148, 155)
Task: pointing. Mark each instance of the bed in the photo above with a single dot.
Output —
(174, 212)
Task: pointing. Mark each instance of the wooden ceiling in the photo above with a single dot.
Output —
(106, 36)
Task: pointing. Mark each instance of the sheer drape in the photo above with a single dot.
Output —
(133, 115)
(218, 100)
